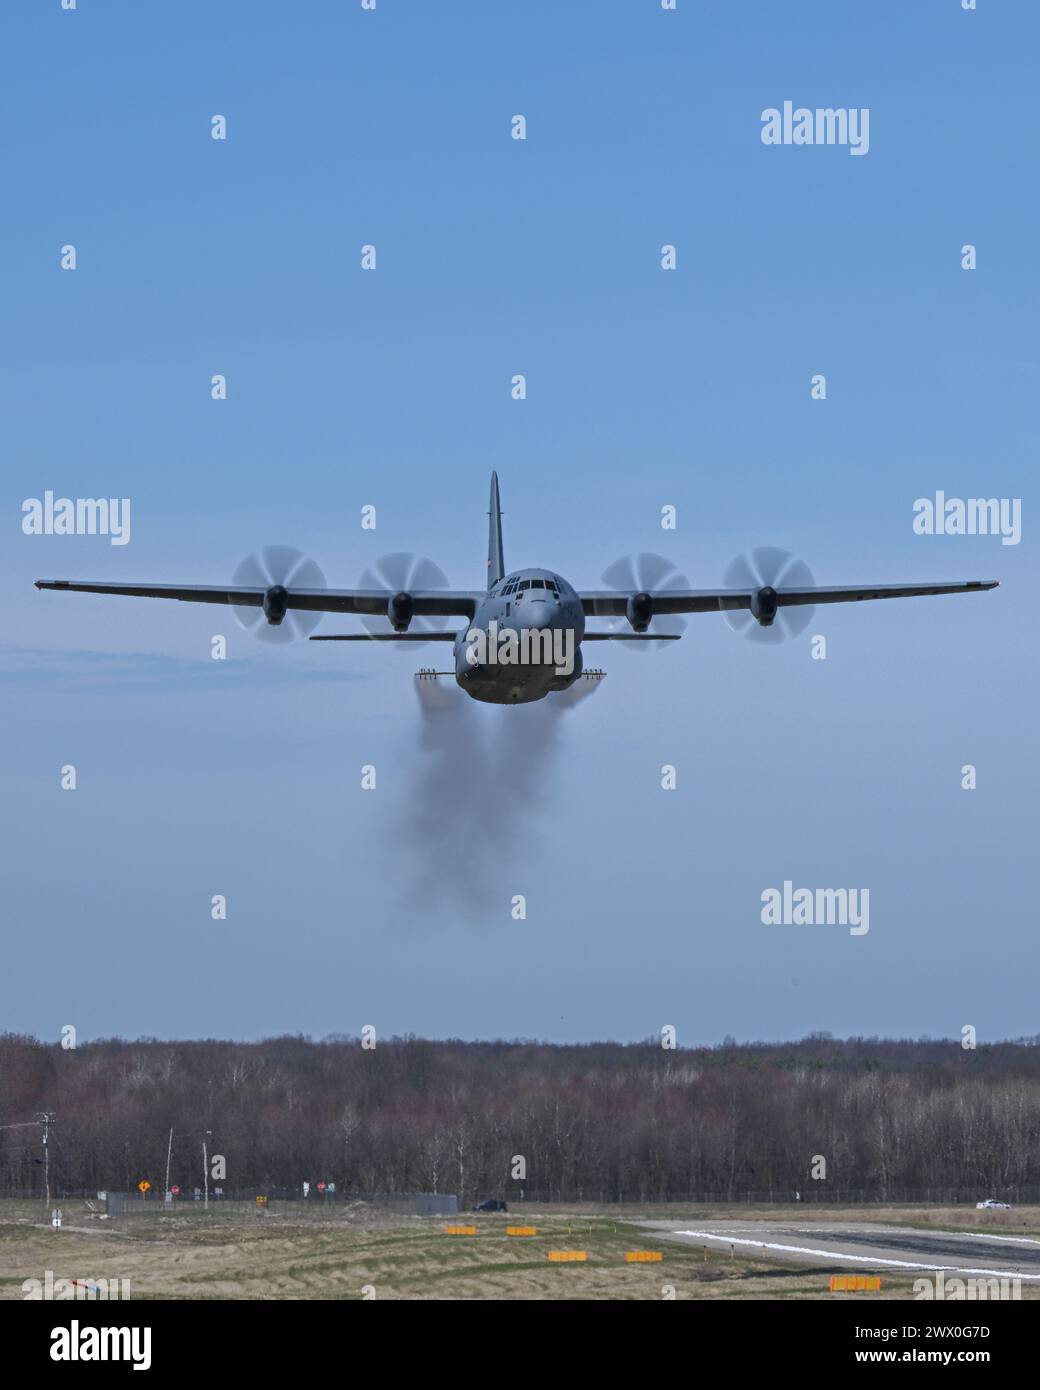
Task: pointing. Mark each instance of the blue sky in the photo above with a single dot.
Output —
(645, 388)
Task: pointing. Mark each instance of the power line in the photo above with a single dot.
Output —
(46, 1119)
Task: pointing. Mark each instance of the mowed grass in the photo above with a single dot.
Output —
(352, 1251)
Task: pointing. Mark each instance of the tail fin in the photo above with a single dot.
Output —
(496, 564)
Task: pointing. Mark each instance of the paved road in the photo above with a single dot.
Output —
(851, 1246)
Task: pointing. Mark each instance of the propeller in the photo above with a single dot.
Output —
(279, 569)
(646, 574)
(403, 573)
(766, 569)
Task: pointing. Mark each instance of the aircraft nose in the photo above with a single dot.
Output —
(542, 613)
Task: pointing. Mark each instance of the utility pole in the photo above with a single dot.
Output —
(169, 1151)
(205, 1168)
(46, 1119)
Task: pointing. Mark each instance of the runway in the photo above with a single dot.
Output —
(851, 1246)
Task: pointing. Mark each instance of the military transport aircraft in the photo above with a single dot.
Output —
(523, 632)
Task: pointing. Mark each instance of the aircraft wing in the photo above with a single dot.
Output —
(612, 603)
(434, 603)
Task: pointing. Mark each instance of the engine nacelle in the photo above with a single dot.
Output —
(639, 610)
(276, 604)
(764, 603)
(400, 611)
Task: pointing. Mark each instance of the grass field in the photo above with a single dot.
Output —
(233, 1253)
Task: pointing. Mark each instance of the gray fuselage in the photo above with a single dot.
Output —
(534, 602)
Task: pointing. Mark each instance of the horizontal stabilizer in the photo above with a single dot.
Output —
(386, 637)
(627, 637)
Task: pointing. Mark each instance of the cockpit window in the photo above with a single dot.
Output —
(512, 586)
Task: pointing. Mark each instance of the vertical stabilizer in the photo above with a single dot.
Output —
(496, 564)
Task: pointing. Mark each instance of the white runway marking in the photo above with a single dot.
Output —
(862, 1259)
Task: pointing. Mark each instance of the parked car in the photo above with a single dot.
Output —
(992, 1202)
(491, 1205)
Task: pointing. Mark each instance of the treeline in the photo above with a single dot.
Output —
(601, 1122)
